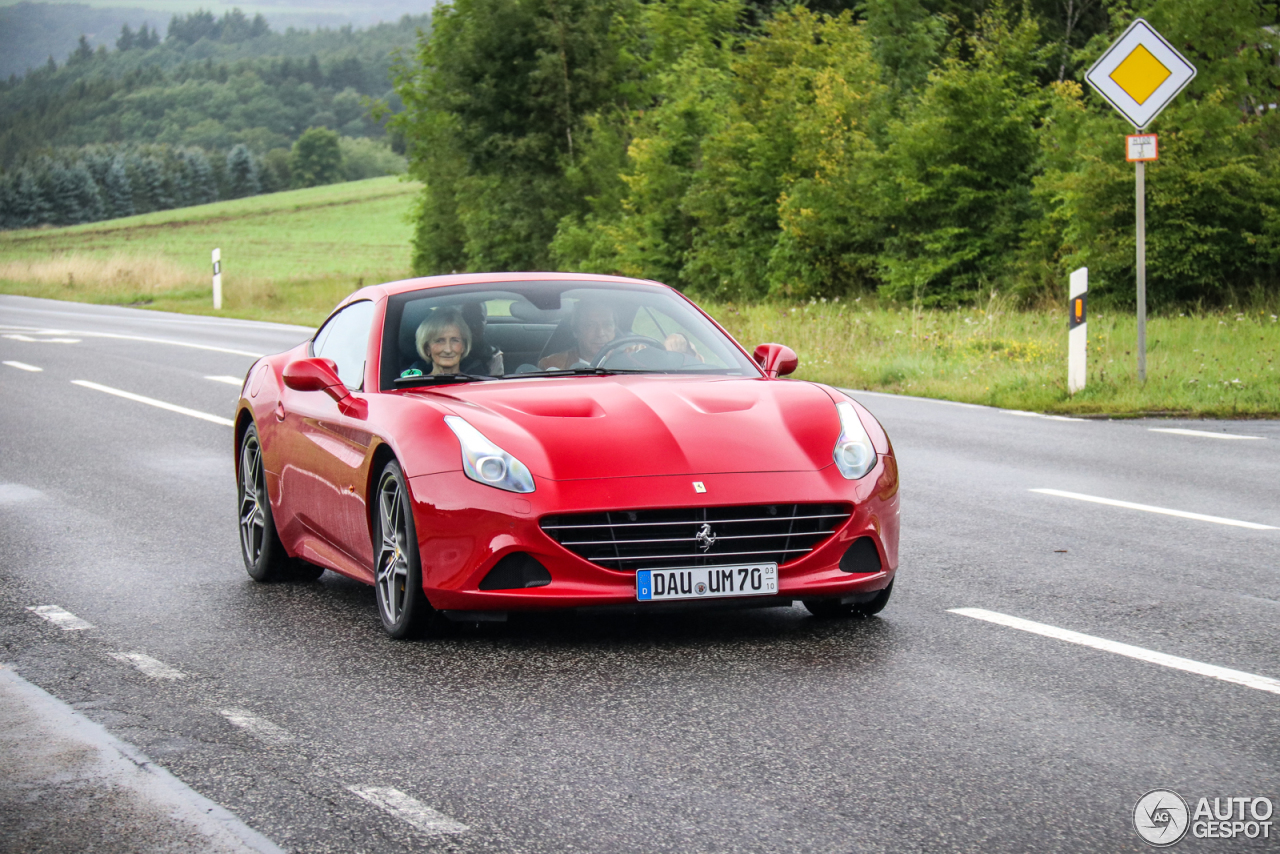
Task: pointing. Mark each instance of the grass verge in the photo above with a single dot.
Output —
(1212, 364)
(285, 256)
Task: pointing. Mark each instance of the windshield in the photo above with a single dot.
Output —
(516, 329)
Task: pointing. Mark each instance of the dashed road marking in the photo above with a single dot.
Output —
(1178, 431)
(256, 726)
(23, 366)
(1164, 511)
(408, 809)
(235, 381)
(148, 666)
(18, 336)
(160, 404)
(61, 618)
(1236, 677)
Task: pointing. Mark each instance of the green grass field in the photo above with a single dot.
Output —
(292, 256)
(285, 256)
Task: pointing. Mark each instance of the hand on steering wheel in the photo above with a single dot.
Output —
(624, 341)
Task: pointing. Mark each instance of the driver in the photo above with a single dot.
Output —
(593, 326)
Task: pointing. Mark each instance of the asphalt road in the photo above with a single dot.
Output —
(767, 731)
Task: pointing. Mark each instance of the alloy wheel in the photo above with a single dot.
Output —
(392, 576)
(252, 521)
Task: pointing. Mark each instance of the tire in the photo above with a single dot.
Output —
(402, 606)
(260, 546)
(834, 608)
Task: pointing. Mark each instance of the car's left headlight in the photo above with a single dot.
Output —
(484, 462)
(854, 454)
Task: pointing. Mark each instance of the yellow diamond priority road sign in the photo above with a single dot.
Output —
(1140, 73)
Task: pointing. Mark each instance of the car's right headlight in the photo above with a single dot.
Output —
(484, 462)
(854, 454)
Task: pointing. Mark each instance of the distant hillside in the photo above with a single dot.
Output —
(209, 82)
(30, 32)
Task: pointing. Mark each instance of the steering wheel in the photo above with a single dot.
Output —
(624, 341)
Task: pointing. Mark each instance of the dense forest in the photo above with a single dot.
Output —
(214, 108)
(927, 150)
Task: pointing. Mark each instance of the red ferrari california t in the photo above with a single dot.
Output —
(473, 445)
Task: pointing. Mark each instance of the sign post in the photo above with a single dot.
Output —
(1139, 75)
(1078, 331)
(217, 279)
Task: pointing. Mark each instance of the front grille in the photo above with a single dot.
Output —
(656, 539)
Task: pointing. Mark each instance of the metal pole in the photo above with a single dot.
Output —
(1141, 197)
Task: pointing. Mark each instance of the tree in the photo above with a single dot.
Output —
(27, 204)
(242, 173)
(204, 184)
(496, 104)
(82, 52)
(126, 40)
(117, 192)
(316, 158)
(72, 196)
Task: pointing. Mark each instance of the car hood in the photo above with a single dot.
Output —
(635, 426)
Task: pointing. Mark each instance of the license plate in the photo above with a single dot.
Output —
(707, 582)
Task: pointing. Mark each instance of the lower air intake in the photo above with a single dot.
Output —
(697, 536)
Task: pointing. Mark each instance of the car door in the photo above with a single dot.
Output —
(327, 470)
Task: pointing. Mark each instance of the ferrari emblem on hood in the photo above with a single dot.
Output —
(705, 538)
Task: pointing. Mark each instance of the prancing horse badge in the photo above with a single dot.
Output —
(698, 486)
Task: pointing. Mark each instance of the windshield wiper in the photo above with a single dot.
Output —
(577, 372)
(437, 379)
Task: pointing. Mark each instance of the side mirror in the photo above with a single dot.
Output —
(315, 375)
(778, 360)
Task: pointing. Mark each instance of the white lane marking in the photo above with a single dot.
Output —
(13, 493)
(23, 366)
(61, 618)
(1178, 431)
(851, 391)
(1181, 514)
(408, 809)
(1027, 414)
(120, 337)
(235, 381)
(256, 726)
(1237, 677)
(148, 666)
(84, 753)
(150, 401)
(30, 340)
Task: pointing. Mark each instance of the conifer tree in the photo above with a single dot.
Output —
(204, 184)
(242, 173)
(117, 192)
(127, 39)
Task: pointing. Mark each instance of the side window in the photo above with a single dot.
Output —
(345, 339)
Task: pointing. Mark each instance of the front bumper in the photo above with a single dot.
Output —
(464, 528)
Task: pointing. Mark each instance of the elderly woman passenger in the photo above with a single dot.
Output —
(443, 340)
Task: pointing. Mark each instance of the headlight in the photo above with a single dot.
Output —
(484, 462)
(854, 454)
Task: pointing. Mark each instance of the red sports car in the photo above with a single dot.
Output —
(473, 445)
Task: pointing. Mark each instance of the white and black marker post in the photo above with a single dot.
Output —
(217, 279)
(1078, 331)
(1139, 75)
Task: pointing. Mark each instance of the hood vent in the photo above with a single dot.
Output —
(628, 540)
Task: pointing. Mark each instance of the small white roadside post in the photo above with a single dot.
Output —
(1139, 75)
(1078, 331)
(217, 279)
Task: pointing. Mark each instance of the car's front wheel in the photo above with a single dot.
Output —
(829, 608)
(402, 605)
